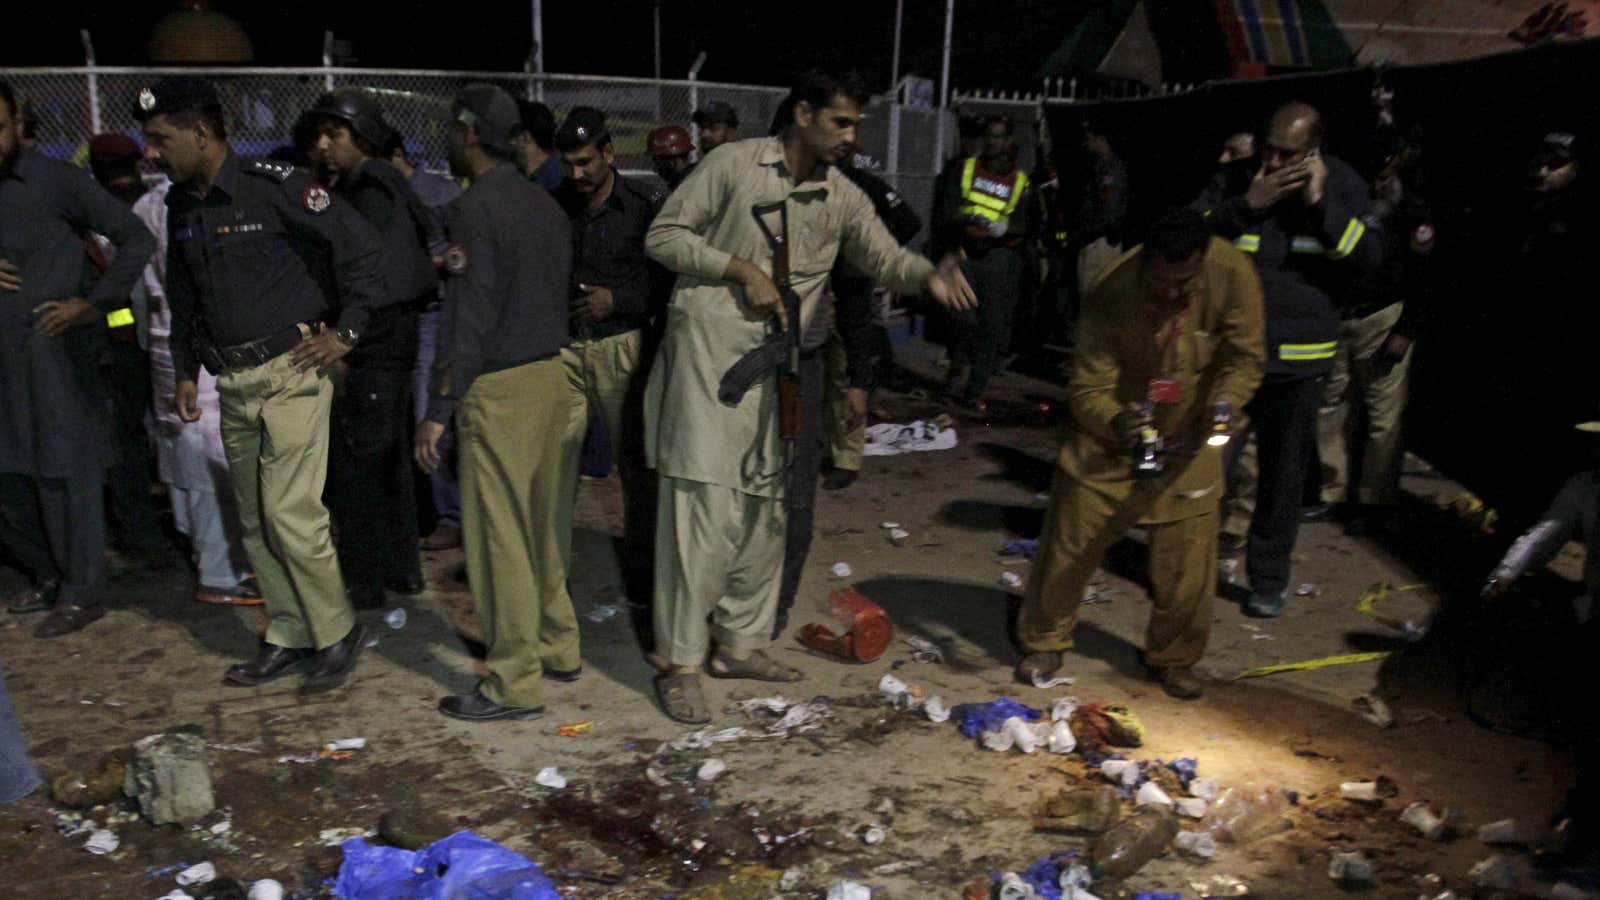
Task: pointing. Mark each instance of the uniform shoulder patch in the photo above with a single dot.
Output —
(455, 259)
(315, 198)
(271, 168)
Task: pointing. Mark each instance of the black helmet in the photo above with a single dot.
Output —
(357, 108)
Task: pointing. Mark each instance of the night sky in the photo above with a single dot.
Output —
(999, 43)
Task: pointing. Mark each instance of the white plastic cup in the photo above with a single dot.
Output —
(1151, 794)
(1501, 832)
(1359, 790)
(1427, 823)
(1022, 736)
(1196, 843)
(1124, 771)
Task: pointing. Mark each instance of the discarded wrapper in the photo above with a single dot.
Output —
(345, 744)
(867, 636)
(841, 570)
(200, 873)
(936, 710)
(550, 778)
(1011, 580)
(1151, 794)
(710, 769)
(1045, 684)
(603, 613)
(574, 729)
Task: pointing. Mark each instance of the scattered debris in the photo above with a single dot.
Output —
(461, 865)
(841, 570)
(924, 650)
(395, 618)
(266, 889)
(345, 744)
(551, 778)
(101, 842)
(1350, 868)
(94, 787)
(899, 537)
(710, 769)
(605, 612)
(1011, 580)
(1365, 791)
(1063, 708)
(936, 710)
(412, 828)
(1089, 811)
(1099, 725)
(169, 778)
(1151, 794)
(1024, 547)
(1495, 873)
(1121, 771)
(1501, 832)
(849, 890)
(872, 834)
(1190, 807)
(1134, 841)
(574, 729)
(889, 439)
(200, 873)
(1196, 843)
(1061, 738)
(867, 636)
(889, 526)
(1248, 813)
(1205, 788)
(1045, 684)
(1307, 589)
(1429, 824)
(1372, 708)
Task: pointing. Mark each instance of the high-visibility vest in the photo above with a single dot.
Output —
(119, 318)
(988, 196)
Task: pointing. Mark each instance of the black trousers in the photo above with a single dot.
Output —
(371, 494)
(56, 529)
(802, 509)
(126, 371)
(1283, 414)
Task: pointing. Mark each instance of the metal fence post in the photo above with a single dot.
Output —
(93, 79)
(327, 61)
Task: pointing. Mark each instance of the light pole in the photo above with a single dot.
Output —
(538, 48)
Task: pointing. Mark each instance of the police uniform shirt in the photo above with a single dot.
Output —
(382, 196)
(508, 268)
(51, 420)
(608, 251)
(264, 249)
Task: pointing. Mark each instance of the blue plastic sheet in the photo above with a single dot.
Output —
(1020, 547)
(463, 866)
(1158, 895)
(1044, 876)
(976, 718)
(1186, 769)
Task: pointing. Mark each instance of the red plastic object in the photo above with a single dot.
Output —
(867, 637)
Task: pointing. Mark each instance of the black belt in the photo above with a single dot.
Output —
(254, 353)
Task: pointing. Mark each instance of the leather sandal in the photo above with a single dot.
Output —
(758, 666)
(682, 698)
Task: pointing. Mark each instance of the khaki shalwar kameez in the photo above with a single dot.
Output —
(720, 524)
(1216, 353)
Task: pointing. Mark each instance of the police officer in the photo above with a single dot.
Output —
(54, 443)
(669, 148)
(500, 373)
(370, 486)
(616, 293)
(1304, 219)
(249, 289)
(992, 216)
(718, 123)
(533, 146)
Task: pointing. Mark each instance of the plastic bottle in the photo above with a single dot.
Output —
(1134, 841)
(1248, 813)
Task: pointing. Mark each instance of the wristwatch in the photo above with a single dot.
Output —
(349, 336)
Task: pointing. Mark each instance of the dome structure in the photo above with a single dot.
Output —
(194, 34)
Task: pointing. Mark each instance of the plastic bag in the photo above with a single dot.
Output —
(462, 866)
(1247, 813)
(976, 718)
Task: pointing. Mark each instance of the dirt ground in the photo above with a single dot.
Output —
(631, 821)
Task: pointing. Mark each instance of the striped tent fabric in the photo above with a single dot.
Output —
(1281, 33)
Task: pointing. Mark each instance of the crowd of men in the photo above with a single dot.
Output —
(287, 342)
(302, 334)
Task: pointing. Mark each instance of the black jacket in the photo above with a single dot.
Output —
(385, 199)
(608, 251)
(852, 291)
(1308, 258)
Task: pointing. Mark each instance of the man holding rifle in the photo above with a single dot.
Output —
(752, 226)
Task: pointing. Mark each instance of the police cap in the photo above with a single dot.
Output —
(177, 93)
(357, 109)
(669, 140)
(585, 126)
(716, 113)
(491, 112)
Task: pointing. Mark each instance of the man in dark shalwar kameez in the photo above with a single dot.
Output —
(54, 418)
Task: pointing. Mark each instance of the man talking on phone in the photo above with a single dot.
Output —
(1305, 219)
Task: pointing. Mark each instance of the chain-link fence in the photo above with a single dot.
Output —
(261, 106)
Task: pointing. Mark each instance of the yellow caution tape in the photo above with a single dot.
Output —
(1369, 601)
(1309, 664)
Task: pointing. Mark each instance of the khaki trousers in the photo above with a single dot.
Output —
(845, 448)
(719, 554)
(1367, 443)
(515, 470)
(275, 432)
(1080, 525)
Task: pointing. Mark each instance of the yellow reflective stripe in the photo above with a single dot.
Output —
(1348, 240)
(986, 201)
(1249, 243)
(967, 170)
(1016, 192)
(1307, 352)
(119, 318)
